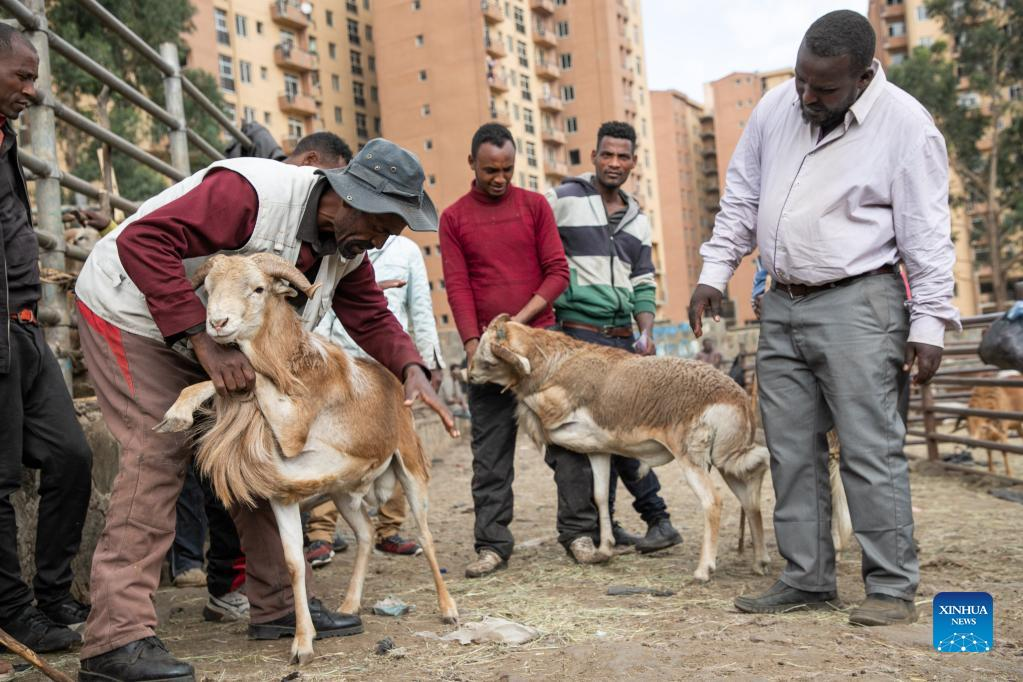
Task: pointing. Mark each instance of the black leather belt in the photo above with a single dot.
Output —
(795, 290)
(616, 332)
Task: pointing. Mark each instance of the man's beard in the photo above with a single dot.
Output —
(823, 116)
(346, 245)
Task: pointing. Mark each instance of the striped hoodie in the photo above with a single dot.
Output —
(611, 275)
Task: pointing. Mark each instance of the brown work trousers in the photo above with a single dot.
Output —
(391, 514)
(136, 380)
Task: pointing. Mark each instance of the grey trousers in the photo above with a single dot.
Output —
(833, 359)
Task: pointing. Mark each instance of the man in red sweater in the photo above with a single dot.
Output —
(502, 254)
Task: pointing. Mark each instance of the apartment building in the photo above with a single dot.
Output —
(687, 171)
(731, 100)
(444, 68)
(902, 26)
(296, 67)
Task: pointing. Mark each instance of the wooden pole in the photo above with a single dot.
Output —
(32, 657)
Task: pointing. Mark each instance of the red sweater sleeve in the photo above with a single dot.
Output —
(362, 308)
(549, 251)
(218, 214)
(456, 278)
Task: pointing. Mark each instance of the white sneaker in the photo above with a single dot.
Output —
(228, 608)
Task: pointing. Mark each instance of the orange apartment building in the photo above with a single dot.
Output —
(445, 68)
(731, 100)
(687, 171)
(295, 67)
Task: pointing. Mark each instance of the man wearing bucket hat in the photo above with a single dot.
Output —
(143, 335)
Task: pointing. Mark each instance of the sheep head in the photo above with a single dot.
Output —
(239, 289)
(499, 358)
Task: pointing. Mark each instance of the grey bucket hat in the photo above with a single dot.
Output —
(384, 178)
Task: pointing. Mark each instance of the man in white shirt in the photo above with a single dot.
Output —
(838, 177)
(401, 273)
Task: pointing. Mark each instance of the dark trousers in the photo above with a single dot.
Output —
(577, 513)
(38, 429)
(198, 511)
(494, 428)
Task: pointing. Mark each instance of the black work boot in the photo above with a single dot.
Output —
(144, 660)
(781, 599)
(327, 624)
(70, 613)
(35, 630)
(624, 538)
(660, 535)
(883, 609)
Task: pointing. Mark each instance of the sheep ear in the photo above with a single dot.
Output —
(499, 324)
(281, 288)
(519, 363)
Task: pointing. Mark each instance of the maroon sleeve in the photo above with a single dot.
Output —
(218, 214)
(456, 279)
(362, 308)
(550, 252)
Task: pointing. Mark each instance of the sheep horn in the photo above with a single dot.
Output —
(199, 276)
(275, 266)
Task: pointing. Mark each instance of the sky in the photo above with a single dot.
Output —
(692, 42)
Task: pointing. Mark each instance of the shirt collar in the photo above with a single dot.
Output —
(308, 231)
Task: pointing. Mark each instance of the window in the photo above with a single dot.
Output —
(419, 40)
(220, 22)
(353, 32)
(374, 94)
(921, 13)
(335, 82)
(356, 59)
(520, 20)
(313, 47)
(534, 183)
(527, 119)
(568, 92)
(241, 26)
(433, 181)
(926, 41)
(264, 73)
(372, 62)
(259, 27)
(416, 5)
(571, 124)
(245, 73)
(425, 110)
(531, 154)
(444, 317)
(897, 28)
(422, 74)
(291, 85)
(523, 53)
(332, 50)
(229, 111)
(426, 250)
(365, 4)
(369, 33)
(561, 29)
(360, 125)
(296, 128)
(337, 115)
(1015, 92)
(573, 157)
(359, 92)
(352, 6)
(428, 144)
(249, 114)
(893, 2)
(969, 100)
(566, 60)
(560, 3)
(524, 82)
(376, 125)
(897, 58)
(267, 118)
(330, 18)
(226, 70)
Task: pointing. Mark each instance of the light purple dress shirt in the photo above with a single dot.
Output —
(871, 193)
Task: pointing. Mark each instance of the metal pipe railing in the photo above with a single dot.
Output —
(43, 169)
(48, 241)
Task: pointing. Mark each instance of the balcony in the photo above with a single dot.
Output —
(492, 13)
(556, 169)
(495, 48)
(288, 15)
(291, 56)
(623, 9)
(543, 35)
(356, 70)
(551, 103)
(502, 117)
(363, 133)
(498, 83)
(548, 71)
(360, 101)
(542, 6)
(630, 107)
(896, 11)
(553, 136)
(892, 43)
(297, 103)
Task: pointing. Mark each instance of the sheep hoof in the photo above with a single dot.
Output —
(301, 657)
(703, 573)
(171, 424)
(449, 619)
(761, 566)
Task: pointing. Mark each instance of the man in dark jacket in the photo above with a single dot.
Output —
(38, 428)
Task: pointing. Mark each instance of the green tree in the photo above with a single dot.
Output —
(154, 21)
(971, 90)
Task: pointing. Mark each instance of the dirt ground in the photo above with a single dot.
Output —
(969, 540)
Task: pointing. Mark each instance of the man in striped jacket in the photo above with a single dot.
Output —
(611, 281)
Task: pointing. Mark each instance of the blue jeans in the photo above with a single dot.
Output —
(577, 514)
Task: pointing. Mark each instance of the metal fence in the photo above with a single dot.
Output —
(42, 164)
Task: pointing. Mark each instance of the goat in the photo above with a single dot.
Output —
(999, 399)
(603, 401)
(309, 429)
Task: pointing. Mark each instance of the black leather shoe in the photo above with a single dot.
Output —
(70, 612)
(327, 624)
(144, 660)
(781, 599)
(35, 630)
(623, 538)
(660, 535)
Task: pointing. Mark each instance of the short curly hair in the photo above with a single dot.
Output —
(620, 130)
(843, 32)
(490, 133)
